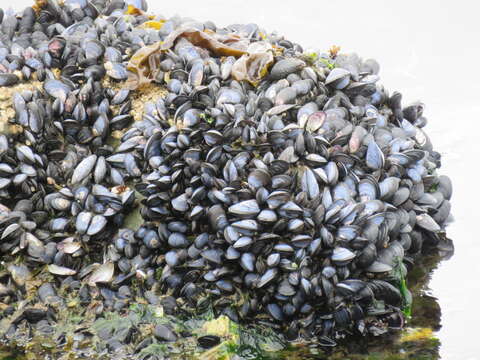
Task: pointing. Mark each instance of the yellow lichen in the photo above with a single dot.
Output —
(221, 326)
(157, 25)
(416, 334)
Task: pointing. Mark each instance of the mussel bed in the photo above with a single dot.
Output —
(157, 171)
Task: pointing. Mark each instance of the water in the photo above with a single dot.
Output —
(428, 50)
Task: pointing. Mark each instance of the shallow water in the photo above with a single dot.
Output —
(429, 51)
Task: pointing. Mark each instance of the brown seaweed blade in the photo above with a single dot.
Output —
(143, 64)
(146, 61)
(226, 45)
(254, 65)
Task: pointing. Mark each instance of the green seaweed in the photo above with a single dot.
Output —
(153, 350)
(311, 57)
(260, 342)
(399, 273)
(206, 118)
(433, 188)
(134, 219)
(327, 63)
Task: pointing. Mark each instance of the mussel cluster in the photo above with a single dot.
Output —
(275, 185)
